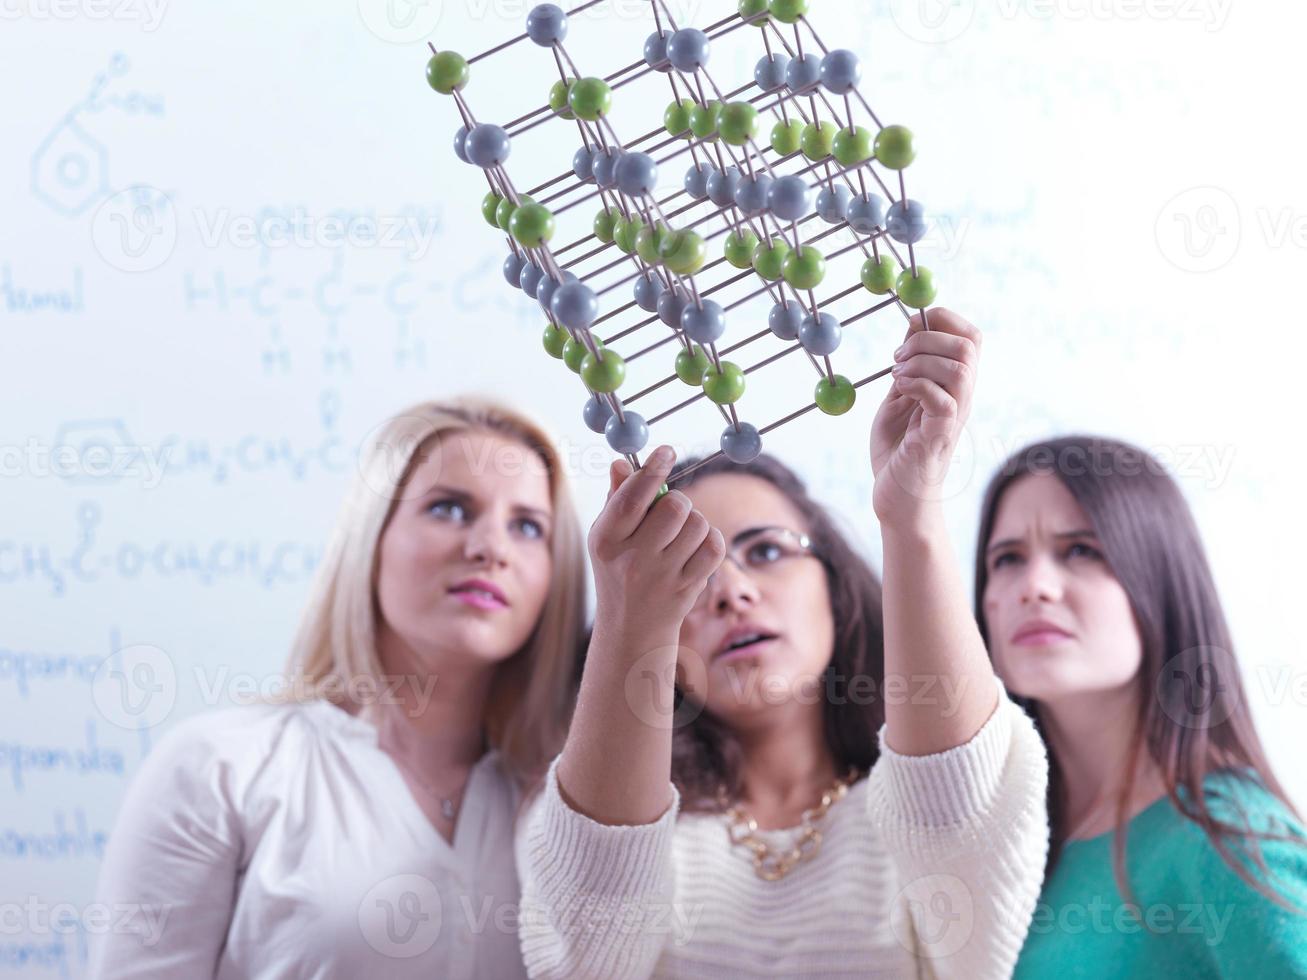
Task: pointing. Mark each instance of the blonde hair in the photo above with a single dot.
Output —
(336, 644)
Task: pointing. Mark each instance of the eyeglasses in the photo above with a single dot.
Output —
(763, 551)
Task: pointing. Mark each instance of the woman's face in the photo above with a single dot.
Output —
(783, 597)
(465, 560)
(1059, 622)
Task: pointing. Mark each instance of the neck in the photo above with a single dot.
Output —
(434, 718)
(786, 764)
(1092, 738)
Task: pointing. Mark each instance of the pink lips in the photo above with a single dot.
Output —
(479, 594)
(1039, 633)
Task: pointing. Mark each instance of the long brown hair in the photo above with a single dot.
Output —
(706, 754)
(1151, 544)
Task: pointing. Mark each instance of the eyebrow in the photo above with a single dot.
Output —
(447, 491)
(1009, 542)
(750, 531)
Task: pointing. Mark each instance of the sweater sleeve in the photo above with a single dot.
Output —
(593, 895)
(172, 857)
(967, 830)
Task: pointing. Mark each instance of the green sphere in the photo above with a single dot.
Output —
(690, 367)
(590, 98)
(604, 223)
(818, 140)
(703, 120)
(504, 212)
(490, 207)
(852, 146)
(725, 386)
(676, 119)
(532, 224)
(835, 397)
(739, 248)
(894, 147)
(749, 9)
(916, 291)
(626, 231)
(663, 491)
(769, 258)
(804, 268)
(558, 98)
(738, 123)
(574, 352)
(787, 137)
(684, 252)
(879, 274)
(447, 72)
(649, 240)
(603, 373)
(555, 340)
(788, 11)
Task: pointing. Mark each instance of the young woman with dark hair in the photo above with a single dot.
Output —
(777, 767)
(1175, 852)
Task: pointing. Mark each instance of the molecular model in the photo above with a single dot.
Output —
(818, 165)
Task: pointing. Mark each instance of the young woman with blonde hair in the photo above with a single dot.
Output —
(363, 826)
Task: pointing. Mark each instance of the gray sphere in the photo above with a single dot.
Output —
(655, 51)
(696, 180)
(833, 203)
(627, 435)
(546, 287)
(865, 213)
(820, 335)
(769, 73)
(785, 319)
(596, 413)
(574, 305)
(486, 145)
(687, 49)
(513, 269)
(530, 279)
(583, 163)
(789, 197)
(636, 174)
(741, 446)
(546, 24)
(460, 144)
(906, 221)
(706, 325)
(721, 186)
(803, 73)
(648, 287)
(840, 72)
(603, 166)
(751, 194)
(670, 305)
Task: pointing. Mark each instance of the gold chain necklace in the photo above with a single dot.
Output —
(770, 865)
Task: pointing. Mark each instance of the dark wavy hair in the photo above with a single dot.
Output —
(706, 754)
(1151, 544)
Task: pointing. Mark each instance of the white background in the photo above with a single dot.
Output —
(1119, 204)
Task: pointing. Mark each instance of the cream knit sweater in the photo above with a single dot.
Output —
(930, 867)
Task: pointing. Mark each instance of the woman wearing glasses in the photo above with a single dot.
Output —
(774, 769)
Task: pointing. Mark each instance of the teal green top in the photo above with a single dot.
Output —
(1206, 921)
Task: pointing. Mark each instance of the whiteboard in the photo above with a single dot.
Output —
(1117, 204)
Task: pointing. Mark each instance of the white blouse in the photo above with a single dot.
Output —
(280, 841)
